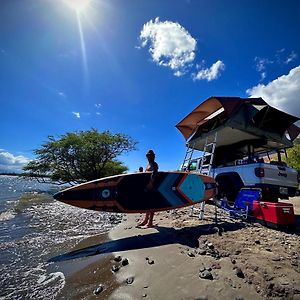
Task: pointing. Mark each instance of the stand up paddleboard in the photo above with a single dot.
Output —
(134, 193)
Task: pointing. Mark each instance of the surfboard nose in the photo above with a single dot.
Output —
(58, 196)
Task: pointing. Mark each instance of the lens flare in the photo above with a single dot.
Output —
(79, 5)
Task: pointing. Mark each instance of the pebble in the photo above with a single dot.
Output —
(294, 262)
(225, 254)
(210, 246)
(115, 268)
(118, 258)
(202, 252)
(216, 265)
(130, 280)
(191, 254)
(125, 262)
(239, 273)
(206, 275)
(276, 258)
(150, 261)
(98, 290)
(237, 252)
(257, 242)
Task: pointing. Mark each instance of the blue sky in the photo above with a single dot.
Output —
(137, 67)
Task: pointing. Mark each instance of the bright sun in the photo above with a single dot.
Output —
(79, 5)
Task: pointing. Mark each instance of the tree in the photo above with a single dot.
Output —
(294, 155)
(80, 156)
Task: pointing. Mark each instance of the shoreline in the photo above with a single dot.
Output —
(184, 258)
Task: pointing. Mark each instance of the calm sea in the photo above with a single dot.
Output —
(33, 228)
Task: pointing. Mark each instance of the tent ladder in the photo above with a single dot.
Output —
(205, 167)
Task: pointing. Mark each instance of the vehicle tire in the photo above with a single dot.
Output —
(226, 188)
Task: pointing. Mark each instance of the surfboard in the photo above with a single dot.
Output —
(139, 192)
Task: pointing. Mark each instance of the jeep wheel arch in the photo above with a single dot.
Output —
(229, 184)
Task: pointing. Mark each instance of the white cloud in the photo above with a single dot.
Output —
(76, 114)
(98, 105)
(170, 44)
(282, 93)
(11, 163)
(211, 73)
(261, 64)
(62, 94)
(291, 57)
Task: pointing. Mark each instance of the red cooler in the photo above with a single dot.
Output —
(278, 214)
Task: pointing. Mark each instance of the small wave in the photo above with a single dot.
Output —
(29, 199)
(52, 277)
(7, 215)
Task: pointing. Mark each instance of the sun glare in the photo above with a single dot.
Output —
(79, 5)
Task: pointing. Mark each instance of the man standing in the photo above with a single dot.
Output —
(151, 167)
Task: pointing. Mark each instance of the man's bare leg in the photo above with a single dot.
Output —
(150, 220)
(145, 220)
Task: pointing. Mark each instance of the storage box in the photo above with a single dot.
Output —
(278, 214)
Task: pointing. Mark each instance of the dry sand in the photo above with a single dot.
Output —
(238, 260)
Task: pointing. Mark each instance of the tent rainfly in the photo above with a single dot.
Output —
(242, 124)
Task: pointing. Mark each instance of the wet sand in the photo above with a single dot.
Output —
(185, 258)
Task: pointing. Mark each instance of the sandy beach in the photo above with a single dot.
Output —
(185, 258)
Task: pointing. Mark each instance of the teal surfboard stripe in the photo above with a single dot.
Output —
(166, 190)
(193, 187)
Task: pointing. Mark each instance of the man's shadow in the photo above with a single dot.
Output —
(188, 236)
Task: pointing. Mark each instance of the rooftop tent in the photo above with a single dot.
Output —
(240, 122)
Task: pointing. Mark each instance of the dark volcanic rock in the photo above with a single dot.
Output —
(206, 275)
(115, 268)
(210, 246)
(125, 262)
(202, 252)
(118, 258)
(98, 290)
(239, 273)
(191, 254)
(276, 258)
(130, 280)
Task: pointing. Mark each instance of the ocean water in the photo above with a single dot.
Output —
(33, 228)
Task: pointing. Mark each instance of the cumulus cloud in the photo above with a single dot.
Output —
(11, 163)
(170, 45)
(76, 114)
(211, 73)
(282, 93)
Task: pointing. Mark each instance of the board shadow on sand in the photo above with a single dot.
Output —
(187, 236)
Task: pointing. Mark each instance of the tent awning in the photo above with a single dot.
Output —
(216, 111)
(201, 114)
